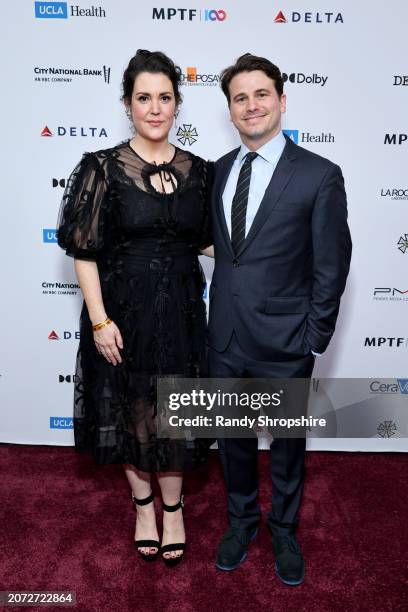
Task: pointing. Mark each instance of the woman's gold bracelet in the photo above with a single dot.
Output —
(103, 324)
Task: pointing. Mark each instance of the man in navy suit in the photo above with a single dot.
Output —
(282, 255)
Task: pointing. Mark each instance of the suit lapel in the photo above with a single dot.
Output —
(220, 182)
(280, 178)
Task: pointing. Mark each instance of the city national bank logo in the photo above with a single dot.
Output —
(309, 17)
(402, 243)
(395, 194)
(387, 429)
(66, 335)
(73, 131)
(398, 386)
(59, 288)
(187, 134)
(188, 14)
(301, 78)
(298, 137)
(59, 10)
(49, 235)
(390, 294)
(193, 78)
(53, 74)
(383, 342)
(57, 422)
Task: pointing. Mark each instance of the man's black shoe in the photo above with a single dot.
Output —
(290, 566)
(233, 548)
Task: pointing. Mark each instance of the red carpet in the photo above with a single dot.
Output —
(68, 525)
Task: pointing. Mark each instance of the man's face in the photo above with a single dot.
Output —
(255, 107)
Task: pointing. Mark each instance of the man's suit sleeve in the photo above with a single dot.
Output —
(331, 258)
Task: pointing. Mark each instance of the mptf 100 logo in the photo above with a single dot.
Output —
(187, 14)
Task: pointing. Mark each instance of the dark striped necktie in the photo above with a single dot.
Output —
(240, 203)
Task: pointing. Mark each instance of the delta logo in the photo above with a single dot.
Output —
(66, 335)
(307, 137)
(59, 10)
(194, 78)
(309, 17)
(74, 131)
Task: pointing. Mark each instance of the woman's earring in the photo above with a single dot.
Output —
(176, 114)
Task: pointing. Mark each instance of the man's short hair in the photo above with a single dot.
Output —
(248, 63)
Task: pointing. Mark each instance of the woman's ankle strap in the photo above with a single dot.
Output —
(180, 504)
(142, 502)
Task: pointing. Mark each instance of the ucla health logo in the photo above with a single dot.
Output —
(292, 134)
(49, 235)
(297, 136)
(58, 422)
(59, 10)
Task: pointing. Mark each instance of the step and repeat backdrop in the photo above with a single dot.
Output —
(346, 79)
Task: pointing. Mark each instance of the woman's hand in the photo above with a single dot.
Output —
(108, 341)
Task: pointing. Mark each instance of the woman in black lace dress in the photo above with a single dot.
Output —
(135, 218)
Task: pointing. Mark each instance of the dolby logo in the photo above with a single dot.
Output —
(59, 182)
(384, 342)
(303, 79)
(71, 378)
(395, 194)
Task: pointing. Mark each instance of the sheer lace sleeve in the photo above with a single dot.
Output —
(207, 179)
(82, 216)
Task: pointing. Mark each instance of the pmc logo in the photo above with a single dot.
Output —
(184, 14)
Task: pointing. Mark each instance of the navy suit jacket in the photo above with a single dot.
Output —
(281, 292)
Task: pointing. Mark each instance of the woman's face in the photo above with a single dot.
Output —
(153, 106)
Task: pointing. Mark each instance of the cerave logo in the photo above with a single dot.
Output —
(394, 193)
(74, 131)
(193, 77)
(301, 78)
(57, 74)
(398, 386)
(386, 342)
(49, 235)
(395, 139)
(189, 14)
(309, 17)
(59, 10)
(59, 422)
(390, 294)
(65, 335)
(298, 136)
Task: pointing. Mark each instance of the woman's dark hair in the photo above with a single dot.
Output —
(248, 63)
(150, 61)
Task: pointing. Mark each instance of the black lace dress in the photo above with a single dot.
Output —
(146, 246)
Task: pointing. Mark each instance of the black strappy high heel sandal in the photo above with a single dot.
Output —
(172, 561)
(146, 543)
